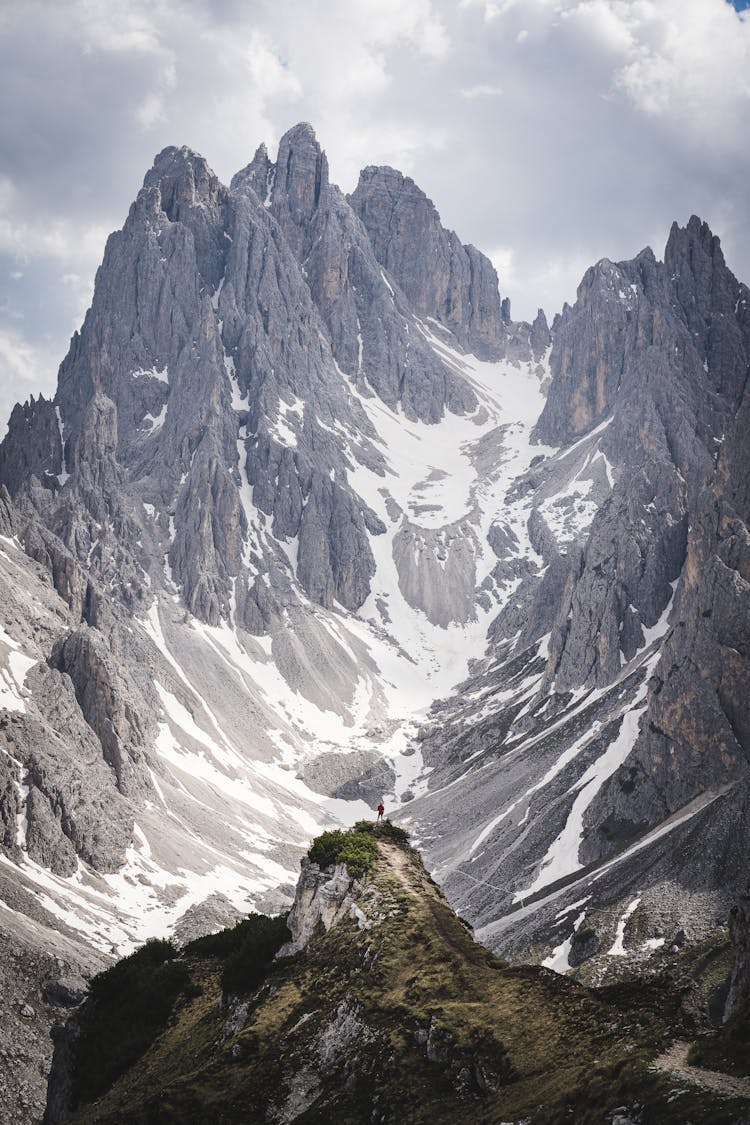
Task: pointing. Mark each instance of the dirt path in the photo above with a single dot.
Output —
(444, 921)
(674, 1062)
(399, 864)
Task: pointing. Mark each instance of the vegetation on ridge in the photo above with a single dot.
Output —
(398, 1015)
(128, 1005)
(247, 950)
(356, 847)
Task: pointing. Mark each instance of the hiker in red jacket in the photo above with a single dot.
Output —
(381, 810)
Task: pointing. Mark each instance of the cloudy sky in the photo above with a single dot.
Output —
(550, 133)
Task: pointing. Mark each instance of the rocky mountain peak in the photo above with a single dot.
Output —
(391, 198)
(300, 183)
(689, 306)
(712, 302)
(257, 175)
(184, 179)
(443, 279)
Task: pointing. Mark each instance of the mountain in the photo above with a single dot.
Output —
(311, 521)
(380, 1007)
(614, 770)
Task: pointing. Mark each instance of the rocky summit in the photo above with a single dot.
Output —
(312, 522)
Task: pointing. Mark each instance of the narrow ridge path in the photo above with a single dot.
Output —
(674, 1061)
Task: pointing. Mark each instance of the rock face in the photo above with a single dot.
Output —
(302, 478)
(322, 900)
(739, 929)
(636, 724)
(451, 283)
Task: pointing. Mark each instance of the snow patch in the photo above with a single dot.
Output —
(558, 960)
(618, 947)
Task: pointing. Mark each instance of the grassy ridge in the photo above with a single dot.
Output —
(404, 1019)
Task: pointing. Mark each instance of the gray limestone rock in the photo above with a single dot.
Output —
(109, 702)
(46, 843)
(360, 775)
(321, 899)
(373, 334)
(10, 806)
(213, 914)
(739, 930)
(65, 991)
(33, 446)
(72, 808)
(442, 279)
(436, 570)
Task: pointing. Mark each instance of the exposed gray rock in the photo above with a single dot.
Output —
(215, 913)
(72, 808)
(322, 899)
(436, 570)
(360, 775)
(33, 445)
(739, 930)
(443, 280)
(65, 991)
(109, 703)
(373, 334)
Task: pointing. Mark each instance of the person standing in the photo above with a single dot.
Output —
(381, 810)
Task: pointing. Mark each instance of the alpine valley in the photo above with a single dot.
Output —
(312, 522)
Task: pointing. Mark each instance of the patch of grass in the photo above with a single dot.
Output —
(357, 849)
(128, 1005)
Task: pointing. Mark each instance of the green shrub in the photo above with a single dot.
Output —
(383, 828)
(127, 1007)
(256, 942)
(356, 849)
(223, 943)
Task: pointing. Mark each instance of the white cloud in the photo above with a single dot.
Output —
(122, 27)
(24, 370)
(64, 238)
(690, 61)
(558, 130)
(482, 90)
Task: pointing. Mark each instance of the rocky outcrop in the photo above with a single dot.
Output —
(72, 807)
(321, 901)
(208, 917)
(32, 447)
(359, 775)
(109, 702)
(442, 279)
